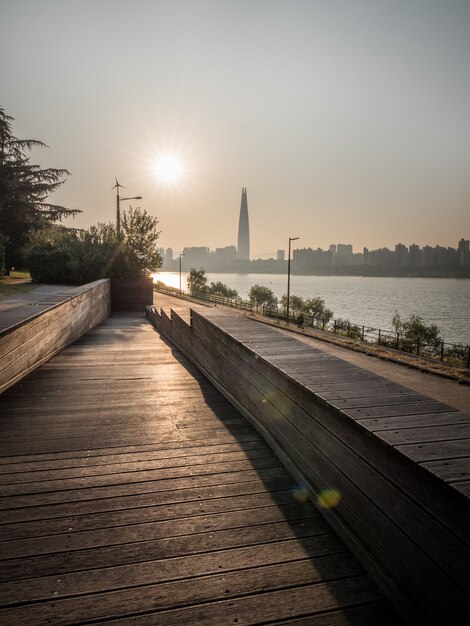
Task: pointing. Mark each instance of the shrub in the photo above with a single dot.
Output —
(69, 256)
(197, 281)
(414, 329)
(221, 289)
(262, 296)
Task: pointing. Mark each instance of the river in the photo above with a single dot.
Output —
(368, 301)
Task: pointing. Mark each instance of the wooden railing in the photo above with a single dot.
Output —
(34, 340)
(407, 526)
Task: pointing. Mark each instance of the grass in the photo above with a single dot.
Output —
(15, 283)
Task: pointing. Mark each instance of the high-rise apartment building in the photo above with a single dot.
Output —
(243, 248)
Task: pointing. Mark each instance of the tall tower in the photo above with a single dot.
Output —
(244, 230)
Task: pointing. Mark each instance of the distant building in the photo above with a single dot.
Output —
(244, 229)
(415, 256)
(344, 254)
(168, 258)
(229, 253)
(401, 255)
(463, 251)
(281, 255)
(196, 257)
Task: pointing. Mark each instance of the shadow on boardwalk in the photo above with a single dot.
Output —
(133, 492)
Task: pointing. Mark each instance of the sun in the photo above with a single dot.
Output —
(168, 169)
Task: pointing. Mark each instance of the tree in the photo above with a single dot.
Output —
(140, 235)
(65, 255)
(24, 189)
(262, 296)
(415, 328)
(3, 241)
(296, 303)
(197, 280)
(221, 289)
(317, 311)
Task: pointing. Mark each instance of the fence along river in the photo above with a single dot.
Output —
(367, 301)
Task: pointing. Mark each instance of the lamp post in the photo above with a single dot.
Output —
(118, 208)
(181, 255)
(288, 277)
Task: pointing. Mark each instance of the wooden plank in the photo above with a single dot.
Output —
(107, 460)
(136, 466)
(124, 489)
(414, 421)
(378, 401)
(152, 530)
(451, 470)
(425, 435)
(152, 572)
(369, 614)
(400, 409)
(200, 590)
(142, 513)
(276, 605)
(436, 450)
(156, 497)
(168, 547)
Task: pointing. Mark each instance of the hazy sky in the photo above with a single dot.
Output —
(347, 120)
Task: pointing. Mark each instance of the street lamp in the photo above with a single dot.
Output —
(118, 209)
(181, 255)
(288, 277)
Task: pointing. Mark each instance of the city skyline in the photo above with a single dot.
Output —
(339, 255)
(347, 121)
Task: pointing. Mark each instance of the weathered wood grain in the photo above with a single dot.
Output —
(340, 427)
(129, 487)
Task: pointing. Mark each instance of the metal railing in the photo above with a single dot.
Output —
(453, 354)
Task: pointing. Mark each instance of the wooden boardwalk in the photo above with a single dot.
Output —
(398, 458)
(132, 492)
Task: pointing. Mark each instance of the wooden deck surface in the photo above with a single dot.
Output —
(133, 493)
(433, 434)
(16, 308)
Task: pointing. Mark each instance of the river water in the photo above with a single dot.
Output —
(368, 301)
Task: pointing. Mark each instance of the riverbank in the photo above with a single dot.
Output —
(426, 365)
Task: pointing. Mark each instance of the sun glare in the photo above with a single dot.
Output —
(168, 169)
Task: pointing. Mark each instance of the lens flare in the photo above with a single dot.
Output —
(328, 498)
(300, 493)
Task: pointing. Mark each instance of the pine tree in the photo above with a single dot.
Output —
(24, 189)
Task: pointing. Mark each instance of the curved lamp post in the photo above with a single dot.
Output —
(118, 209)
(288, 277)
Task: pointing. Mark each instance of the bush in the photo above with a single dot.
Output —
(317, 311)
(197, 281)
(414, 329)
(262, 296)
(49, 264)
(68, 256)
(221, 289)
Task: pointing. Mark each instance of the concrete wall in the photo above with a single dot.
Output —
(33, 341)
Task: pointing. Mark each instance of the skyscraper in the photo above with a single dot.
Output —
(244, 230)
